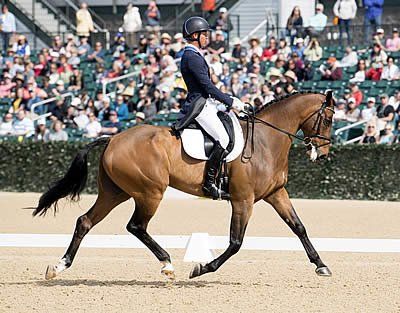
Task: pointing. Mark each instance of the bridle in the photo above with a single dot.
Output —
(251, 118)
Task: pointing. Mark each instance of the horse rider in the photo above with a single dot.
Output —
(200, 103)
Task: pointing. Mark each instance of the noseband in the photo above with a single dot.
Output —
(315, 130)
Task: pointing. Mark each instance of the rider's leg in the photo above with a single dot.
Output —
(210, 122)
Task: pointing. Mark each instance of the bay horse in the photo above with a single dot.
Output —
(141, 162)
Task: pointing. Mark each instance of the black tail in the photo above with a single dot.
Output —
(73, 181)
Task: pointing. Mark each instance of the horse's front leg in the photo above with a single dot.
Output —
(282, 204)
(241, 212)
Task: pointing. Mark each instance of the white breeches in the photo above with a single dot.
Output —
(210, 122)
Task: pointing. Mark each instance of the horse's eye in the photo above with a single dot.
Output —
(327, 122)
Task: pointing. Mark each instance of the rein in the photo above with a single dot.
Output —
(252, 118)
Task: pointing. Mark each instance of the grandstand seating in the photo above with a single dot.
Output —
(368, 88)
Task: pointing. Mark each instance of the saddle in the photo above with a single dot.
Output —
(199, 145)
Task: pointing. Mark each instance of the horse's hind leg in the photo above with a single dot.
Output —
(105, 202)
(145, 208)
(282, 204)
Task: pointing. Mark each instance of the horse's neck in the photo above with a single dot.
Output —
(288, 115)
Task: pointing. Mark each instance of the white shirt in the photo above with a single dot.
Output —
(368, 113)
(349, 60)
(394, 102)
(5, 128)
(340, 115)
(390, 72)
(21, 126)
(93, 129)
(81, 120)
(132, 20)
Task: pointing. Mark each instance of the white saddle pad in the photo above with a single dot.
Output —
(193, 141)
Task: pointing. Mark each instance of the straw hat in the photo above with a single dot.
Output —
(254, 38)
(291, 75)
(275, 72)
(166, 36)
(235, 41)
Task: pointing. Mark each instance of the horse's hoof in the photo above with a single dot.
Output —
(50, 272)
(196, 271)
(323, 271)
(169, 274)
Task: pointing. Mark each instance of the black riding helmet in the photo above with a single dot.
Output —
(194, 24)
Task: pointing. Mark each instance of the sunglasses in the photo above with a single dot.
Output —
(371, 126)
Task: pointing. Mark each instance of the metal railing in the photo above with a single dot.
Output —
(34, 106)
(107, 81)
(347, 127)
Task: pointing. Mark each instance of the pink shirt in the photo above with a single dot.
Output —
(392, 44)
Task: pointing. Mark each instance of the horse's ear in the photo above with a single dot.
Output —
(329, 96)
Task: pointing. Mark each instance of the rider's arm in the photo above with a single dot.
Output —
(199, 72)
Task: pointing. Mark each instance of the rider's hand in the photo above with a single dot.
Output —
(238, 105)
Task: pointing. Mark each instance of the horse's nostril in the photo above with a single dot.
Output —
(322, 157)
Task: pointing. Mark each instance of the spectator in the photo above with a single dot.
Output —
(296, 67)
(168, 102)
(316, 23)
(237, 50)
(84, 22)
(373, 15)
(350, 58)
(93, 128)
(396, 137)
(255, 59)
(278, 66)
(139, 118)
(19, 102)
(379, 38)
(149, 109)
(332, 72)
(294, 25)
(115, 70)
(64, 69)
(57, 133)
(393, 44)
(387, 136)
(390, 71)
(17, 67)
(112, 127)
(270, 51)
(166, 43)
(356, 93)
(7, 25)
(21, 47)
(57, 45)
(274, 75)
(121, 108)
(217, 46)
(346, 11)
(377, 55)
(223, 22)
(370, 133)
(41, 131)
(69, 45)
(58, 111)
(360, 75)
(235, 87)
(178, 45)
(82, 119)
(152, 16)
(132, 24)
(68, 119)
(74, 59)
(369, 111)
(6, 127)
(394, 101)
(299, 47)
(313, 52)
(283, 48)
(33, 100)
(152, 45)
(97, 54)
(225, 76)
(84, 46)
(143, 44)
(5, 86)
(215, 64)
(384, 112)
(255, 47)
(352, 112)
(374, 73)
(256, 70)
(104, 110)
(340, 111)
(76, 80)
(23, 126)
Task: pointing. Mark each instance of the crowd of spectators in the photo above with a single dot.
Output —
(249, 71)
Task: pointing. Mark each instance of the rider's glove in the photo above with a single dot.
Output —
(238, 105)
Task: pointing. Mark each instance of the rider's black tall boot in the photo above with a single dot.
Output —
(213, 164)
